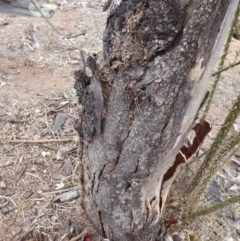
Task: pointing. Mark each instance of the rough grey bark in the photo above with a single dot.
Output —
(154, 55)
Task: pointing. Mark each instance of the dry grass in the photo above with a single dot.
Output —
(36, 43)
(32, 175)
(36, 84)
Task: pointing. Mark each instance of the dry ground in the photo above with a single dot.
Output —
(36, 88)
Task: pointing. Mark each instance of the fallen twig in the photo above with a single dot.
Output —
(25, 235)
(2, 205)
(8, 198)
(53, 27)
(67, 196)
(82, 234)
(7, 165)
(5, 152)
(23, 170)
(63, 190)
(36, 141)
(12, 119)
(226, 68)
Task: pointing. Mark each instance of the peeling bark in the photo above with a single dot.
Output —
(155, 53)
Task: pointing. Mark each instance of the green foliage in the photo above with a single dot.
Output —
(218, 161)
(216, 207)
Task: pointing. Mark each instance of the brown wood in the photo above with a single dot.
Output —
(155, 55)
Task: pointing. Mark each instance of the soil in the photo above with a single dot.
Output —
(36, 84)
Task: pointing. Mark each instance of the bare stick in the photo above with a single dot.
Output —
(37, 141)
(82, 234)
(228, 67)
(23, 170)
(63, 190)
(8, 198)
(54, 28)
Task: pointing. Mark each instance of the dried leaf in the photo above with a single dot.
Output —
(73, 225)
(2, 185)
(45, 153)
(2, 205)
(214, 191)
(170, 224)
(3, 22)
(59, 185)
(235, 160)
(61, 153)
(236, 125)
(59, 121)
(235, 187)
(176, 237)
(68, 195)
(68, 167)
(27, 224)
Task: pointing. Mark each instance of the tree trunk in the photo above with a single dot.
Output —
(151, 82)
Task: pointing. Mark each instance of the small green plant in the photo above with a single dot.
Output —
(221, 63)
(216, 207)
(223, 144)
(217, 151)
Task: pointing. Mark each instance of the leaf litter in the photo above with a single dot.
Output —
(35, 171)
(39, 164)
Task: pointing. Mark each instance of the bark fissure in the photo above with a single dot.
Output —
(100, 217)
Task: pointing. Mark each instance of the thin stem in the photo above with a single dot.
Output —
(222, 60)
(216, 207)
(216, 163)
(53, 27)
(210, 156)
(226, 68)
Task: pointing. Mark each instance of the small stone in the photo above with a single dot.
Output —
(3, 204)
(236, 125)
(46, 153)
(59, 121)
(68, 167)
(35, 211)
(27, 224)
(3, 21)
(176, 237)
(5, 211)
(2, 185)
(237, 155)
(214, 191)
(45, 188)
(61, 153)
(54, 219)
